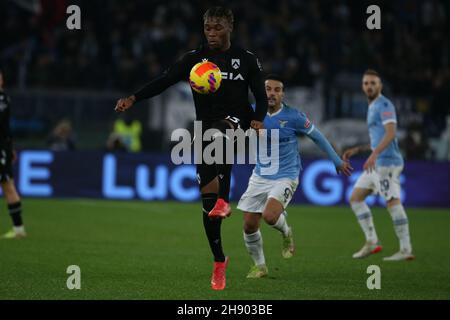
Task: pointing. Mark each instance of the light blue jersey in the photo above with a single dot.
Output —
(290, 123)
(382, 111)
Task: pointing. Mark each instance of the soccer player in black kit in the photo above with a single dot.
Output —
(228, 108)
(7, 157)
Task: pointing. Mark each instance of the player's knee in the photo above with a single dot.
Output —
(392, 202)
(270, 217)
(10, 191)
(251, 223)
(355, 198)
(250, 227)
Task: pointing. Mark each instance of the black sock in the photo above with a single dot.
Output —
(224, 174)
(15, 211)
(212, 227)
(224, 169)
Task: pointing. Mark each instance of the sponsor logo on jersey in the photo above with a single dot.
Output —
(387, 114)
(231, 76)
(235, 63)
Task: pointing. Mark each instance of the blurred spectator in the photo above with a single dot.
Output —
(122, 45)
(115, 143)
(415, 144)
(130, 132)
(301, 40)
(62, 137)
(446, 139)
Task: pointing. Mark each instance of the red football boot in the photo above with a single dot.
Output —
(218, 279)
(221, 210)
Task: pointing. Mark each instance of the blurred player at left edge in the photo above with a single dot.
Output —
(7, 157)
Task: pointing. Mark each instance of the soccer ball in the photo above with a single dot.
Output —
(205, 77)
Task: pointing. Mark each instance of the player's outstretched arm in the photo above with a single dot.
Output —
(342, 166)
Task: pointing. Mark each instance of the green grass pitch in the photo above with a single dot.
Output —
(158, 250)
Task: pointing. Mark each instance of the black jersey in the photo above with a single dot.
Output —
(240, 70)
(5, 111)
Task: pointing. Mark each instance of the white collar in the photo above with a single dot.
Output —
(274, 114)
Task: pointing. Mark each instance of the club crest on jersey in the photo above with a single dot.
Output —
(282, 123)
(235, 63)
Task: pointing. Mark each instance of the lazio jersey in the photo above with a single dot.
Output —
(382, 111)
(290, 123)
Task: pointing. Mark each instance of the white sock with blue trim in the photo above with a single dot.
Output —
(401, 227)
(254, 244)
(364, 216)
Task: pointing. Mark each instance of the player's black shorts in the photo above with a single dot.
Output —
(6, 170)
(208, 172)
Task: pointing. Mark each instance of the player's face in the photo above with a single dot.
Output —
(217, 32)
(275, 93)
(371, 86)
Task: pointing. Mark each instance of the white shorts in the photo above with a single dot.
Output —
(259, 190)
(384, 181)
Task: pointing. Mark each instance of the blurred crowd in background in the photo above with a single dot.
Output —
(123, 44)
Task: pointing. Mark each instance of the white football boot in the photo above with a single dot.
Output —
(368, 249)
(400, 256)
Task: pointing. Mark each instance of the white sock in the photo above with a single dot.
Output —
(281, 225)
(19, 229)
(364, 216)
(401, 226)
(254, 245)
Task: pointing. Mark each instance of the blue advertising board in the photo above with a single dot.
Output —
(152, 177)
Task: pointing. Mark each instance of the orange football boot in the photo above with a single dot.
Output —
(218, 279)
(221, 210)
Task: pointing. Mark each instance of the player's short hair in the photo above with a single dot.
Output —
(219, 12)
(371, 72)
(276, 77)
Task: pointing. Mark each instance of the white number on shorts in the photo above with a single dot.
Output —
(233, 119)
(384, 185)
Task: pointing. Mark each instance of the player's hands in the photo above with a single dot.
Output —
(345, 168)
(349, 153)
(369, 165)
(257, 125)
(125, 103)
